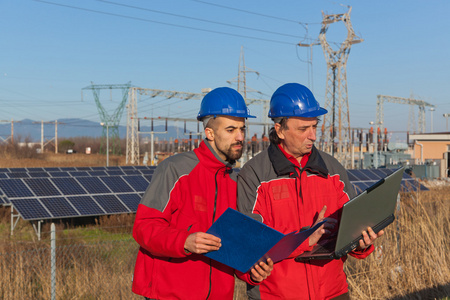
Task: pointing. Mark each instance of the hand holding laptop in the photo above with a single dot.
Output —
(369, 238)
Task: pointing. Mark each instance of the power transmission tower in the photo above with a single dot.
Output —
(336, 124)
(241, 78)
(242, 87)
(110, 122)
(412, 102)
(132, 156)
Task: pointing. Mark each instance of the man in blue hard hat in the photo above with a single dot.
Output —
(292, 185)
(188, 192)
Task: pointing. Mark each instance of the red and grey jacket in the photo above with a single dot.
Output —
(188, 192)
(288, 198)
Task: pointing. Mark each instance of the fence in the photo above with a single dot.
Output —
(97, 270)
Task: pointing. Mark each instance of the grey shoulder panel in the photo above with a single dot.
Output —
(165, 177)
(335, 168)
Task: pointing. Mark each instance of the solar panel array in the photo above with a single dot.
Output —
(364, 178)
(51, 193)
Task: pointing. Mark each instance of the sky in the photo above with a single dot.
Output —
(52, 50)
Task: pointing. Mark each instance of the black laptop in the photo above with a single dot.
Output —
(374, 208)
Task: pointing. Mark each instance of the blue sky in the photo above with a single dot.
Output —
(52, 49)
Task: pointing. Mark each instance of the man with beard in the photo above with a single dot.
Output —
(188, 192)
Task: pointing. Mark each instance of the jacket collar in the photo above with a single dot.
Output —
(209, 156)
(283, 166)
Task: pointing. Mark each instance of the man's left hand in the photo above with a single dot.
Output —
(261, 271)
(369, 237)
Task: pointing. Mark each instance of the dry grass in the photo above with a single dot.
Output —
(415, 260)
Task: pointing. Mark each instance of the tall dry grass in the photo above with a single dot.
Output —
(412, 260)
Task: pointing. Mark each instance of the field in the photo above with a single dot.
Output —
(411, 261)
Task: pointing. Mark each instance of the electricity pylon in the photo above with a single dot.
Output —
(409, 101)
(111, 122)
(336, 135)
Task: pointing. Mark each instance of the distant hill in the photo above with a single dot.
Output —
(68, 128)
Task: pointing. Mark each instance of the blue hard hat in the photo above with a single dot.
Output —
(294, 100)
(223, 101)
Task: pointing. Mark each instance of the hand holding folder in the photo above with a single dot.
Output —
(245, 241)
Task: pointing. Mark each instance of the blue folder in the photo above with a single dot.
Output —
(245, 241)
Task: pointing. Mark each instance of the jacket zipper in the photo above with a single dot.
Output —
(214, 216)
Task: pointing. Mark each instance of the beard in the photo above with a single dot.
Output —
(230, 154)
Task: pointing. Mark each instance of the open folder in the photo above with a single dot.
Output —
(245, 241)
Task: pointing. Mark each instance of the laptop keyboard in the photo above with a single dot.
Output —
(325, 247)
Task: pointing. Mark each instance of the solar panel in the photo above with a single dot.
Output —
(78, 173)
(94, 185)
(116, 184)
(97, 173)
(84, 169)
(147, 171)
(38, 174)
(42, 187)
(14, 188)
(363, 178)
(68, 186)
(18, 175)
(32, 170)
(86, 205)
(68, 169)
(131, 200)
(20, 170)
(51, 169)
(138, 183)
(31, 209)
(114, 172)
(59, 174)
(371, 175)
(111, 204)
(59, 207)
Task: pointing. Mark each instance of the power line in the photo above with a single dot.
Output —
(162, 23)
(197, 19)
(251, 12)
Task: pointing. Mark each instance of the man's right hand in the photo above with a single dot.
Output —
(201, 242)
(324, 229)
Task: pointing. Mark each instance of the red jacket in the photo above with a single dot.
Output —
(275, 191)
(187, 193)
